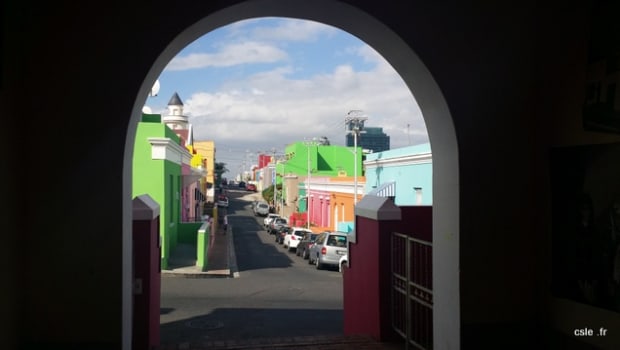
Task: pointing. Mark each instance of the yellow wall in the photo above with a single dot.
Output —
(206, 149)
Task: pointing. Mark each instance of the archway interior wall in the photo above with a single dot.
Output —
(427, 94)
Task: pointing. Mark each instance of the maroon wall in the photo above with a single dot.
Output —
(367, 281)
(147, 268)
(417, 222)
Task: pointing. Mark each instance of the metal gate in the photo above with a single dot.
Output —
(412, 290)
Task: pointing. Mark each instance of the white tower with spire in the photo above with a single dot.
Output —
(175, 118)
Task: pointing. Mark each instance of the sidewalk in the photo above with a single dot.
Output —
(221, 259)
(308, 342)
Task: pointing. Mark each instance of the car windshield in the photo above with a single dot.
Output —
(313, 237)
(263, 205)
(337, 241)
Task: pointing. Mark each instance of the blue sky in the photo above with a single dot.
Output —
(260, 84)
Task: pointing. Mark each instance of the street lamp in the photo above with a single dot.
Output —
(355, 122)
(275, 183)
(308, 144)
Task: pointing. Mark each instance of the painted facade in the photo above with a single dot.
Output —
(331, 204)
(194, 186)
(206, 149)
(409, 169)
(192, 170)
(325, 160)
(157, 162)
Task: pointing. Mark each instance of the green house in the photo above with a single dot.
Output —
(157, 161)
(323, 161)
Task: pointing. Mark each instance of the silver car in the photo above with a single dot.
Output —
(328, 248)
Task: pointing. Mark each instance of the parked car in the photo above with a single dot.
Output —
(292, 238)
(275, 224)
(241, 184)
(261, 209)
(222, 202)
(250, 187)
(343, 262)
(328, 248)
(303, 248)
(268, 218)
(281, 232)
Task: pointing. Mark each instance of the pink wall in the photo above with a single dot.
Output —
(319, 204)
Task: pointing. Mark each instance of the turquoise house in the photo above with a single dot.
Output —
(157, 160)
(403, 173)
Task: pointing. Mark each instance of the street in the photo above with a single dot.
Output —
(277, 294)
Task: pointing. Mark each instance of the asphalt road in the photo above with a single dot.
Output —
(277, 293)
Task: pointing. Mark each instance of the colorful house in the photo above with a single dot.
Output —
(332, 202)
(206, 150)
(406, 174)
(157, 160)
(322, 160)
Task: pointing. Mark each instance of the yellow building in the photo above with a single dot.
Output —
(206, 150)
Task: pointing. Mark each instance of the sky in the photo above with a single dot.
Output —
(261, 84)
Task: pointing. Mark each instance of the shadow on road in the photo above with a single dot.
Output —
(252, 323)
(252, 251)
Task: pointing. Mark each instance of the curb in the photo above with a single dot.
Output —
(232, 257)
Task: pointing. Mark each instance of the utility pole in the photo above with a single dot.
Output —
(275, 183)
(308, 144)
(355, 123)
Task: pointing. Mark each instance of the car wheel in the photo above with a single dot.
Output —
(343, 265)
(318, 263)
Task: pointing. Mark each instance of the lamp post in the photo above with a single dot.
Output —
(275, 182)
(355, 122)
(308, 144)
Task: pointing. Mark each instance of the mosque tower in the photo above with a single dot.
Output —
(175, 118)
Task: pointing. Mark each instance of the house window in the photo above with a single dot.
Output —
(418, 195)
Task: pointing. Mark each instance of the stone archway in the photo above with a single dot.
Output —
(446, 313)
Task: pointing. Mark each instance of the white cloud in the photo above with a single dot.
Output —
(288, 110)
(274, 108)
(230, 55)
(292, 30)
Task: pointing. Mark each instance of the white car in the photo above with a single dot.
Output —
(222, 202)
(292, 238)
(267, 220)
(261, 208)
(343, 262)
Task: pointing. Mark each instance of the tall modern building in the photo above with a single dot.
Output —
(372, 138)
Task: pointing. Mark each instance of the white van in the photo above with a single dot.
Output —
(261, 208)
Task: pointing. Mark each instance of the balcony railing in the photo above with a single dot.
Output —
(387, 189)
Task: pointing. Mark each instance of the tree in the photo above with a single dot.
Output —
(220, 168)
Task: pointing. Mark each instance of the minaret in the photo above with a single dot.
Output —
(175, 118)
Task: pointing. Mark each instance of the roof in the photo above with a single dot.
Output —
(175, 100)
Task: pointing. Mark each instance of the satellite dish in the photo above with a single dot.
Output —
(147, 110)
(155, 88)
